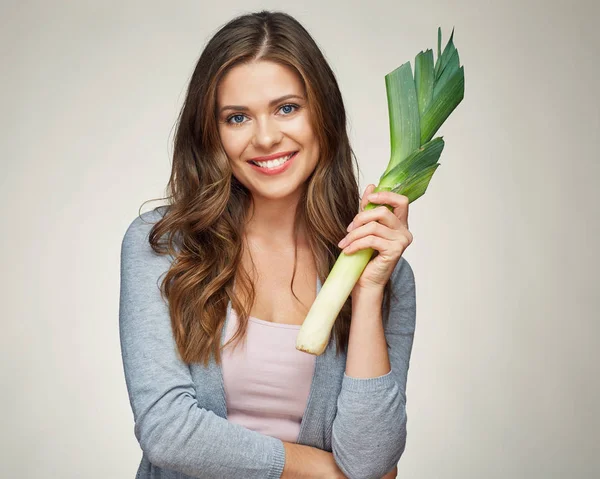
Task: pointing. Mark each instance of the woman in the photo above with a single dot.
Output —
(236, 259)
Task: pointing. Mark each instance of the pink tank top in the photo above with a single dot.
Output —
(267, 380)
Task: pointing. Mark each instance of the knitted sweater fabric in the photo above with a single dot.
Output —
(180, 413)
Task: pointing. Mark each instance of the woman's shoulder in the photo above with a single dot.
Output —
(136, 238)
(141, 225)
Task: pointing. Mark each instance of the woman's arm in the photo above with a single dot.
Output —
(369, 430)
(367, 350)
(392, 474)
(305, 462)
(172, 428)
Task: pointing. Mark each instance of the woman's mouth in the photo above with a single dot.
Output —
(272, 167)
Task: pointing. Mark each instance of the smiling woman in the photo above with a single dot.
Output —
(262, 188)
(265, 136)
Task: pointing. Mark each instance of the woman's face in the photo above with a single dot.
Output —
(255, 120)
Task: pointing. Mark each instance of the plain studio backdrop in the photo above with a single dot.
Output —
(503, 380)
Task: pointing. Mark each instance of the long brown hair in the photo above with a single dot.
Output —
(207, 206)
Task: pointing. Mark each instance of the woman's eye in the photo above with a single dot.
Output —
(289, 108)
(234, 116)
(289, 105)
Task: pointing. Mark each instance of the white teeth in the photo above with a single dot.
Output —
(273, 163)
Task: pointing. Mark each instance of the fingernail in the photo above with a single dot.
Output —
(350, 226)
(373, 196)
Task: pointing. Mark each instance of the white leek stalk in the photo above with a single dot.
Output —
(417, 108)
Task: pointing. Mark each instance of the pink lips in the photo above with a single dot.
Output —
(274, 156)
(275, 171)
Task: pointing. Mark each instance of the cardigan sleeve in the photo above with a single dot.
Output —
(171, 427)
(369, 430)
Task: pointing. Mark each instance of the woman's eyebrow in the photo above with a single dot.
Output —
(271, 103)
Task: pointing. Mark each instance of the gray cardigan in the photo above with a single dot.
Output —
(179, 411)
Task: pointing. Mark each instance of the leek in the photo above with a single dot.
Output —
(417, 108)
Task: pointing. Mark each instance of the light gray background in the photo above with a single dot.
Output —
(503, 381)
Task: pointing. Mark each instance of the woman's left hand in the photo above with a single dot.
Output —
(384, 231)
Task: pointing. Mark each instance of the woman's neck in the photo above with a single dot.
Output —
(271, 222)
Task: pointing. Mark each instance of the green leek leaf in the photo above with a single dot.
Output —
(417, 108)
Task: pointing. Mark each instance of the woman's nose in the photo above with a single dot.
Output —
(266, 133)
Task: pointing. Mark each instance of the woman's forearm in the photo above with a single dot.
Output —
(306, 462)
(392, 474)
(367, 350)
(367, 357)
